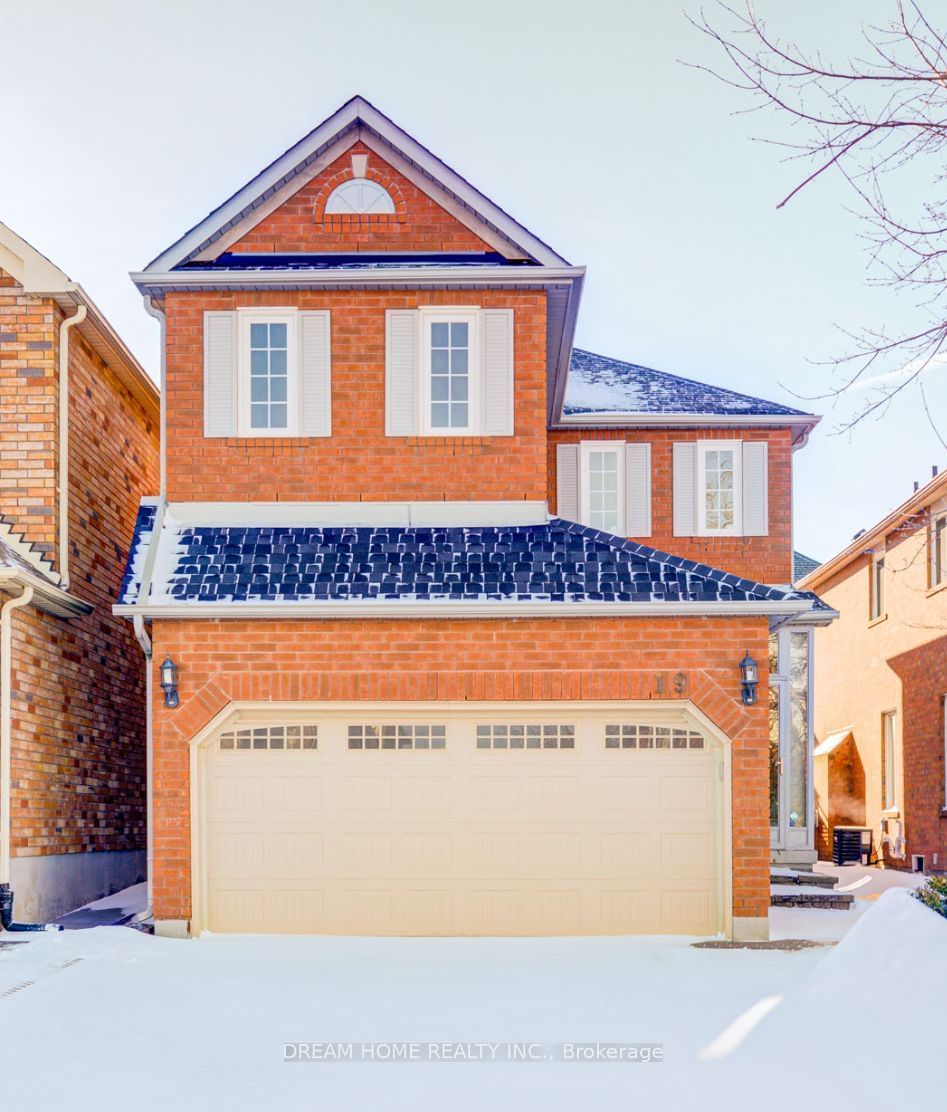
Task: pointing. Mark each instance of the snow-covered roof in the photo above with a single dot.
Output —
(599, 384)
(555, 561)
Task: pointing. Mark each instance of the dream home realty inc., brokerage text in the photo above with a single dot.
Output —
(471, 1052)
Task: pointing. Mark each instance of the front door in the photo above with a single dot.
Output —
(790, 740)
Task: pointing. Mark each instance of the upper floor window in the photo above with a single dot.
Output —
(601, 486)
(605, 484)
(876, 592)
(938, 551)
(359, 196)
(719, 487)
(449, 378)
(267, 361)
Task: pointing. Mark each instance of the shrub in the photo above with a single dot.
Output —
(934, 894)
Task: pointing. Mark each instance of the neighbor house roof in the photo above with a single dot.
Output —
(602, 390)
(802, 565)
(19, 568)
(385, 567)
(38, 276)
(867, 539)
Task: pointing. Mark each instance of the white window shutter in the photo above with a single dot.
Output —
(637, 490)
(220, 374)
(315, 374)
(402, 372)
(567, 481)
(755, 489)
(497, 380)
(685, 489)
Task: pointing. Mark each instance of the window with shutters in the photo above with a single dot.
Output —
(601, 490)
(449, 372)
(876, 589)
(267, 372)
(719, 488)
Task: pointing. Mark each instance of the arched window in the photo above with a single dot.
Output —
(359, 195)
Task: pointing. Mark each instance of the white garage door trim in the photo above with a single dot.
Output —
(668, 713)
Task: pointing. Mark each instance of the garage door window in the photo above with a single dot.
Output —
(271, 737)
(532, 735)
(631, 735)
(397, 736)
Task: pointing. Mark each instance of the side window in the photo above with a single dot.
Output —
(600, 503)
(720, 488)
(938, 551)
(889, 745)
(876, 588)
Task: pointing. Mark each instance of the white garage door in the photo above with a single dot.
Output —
(485, 824)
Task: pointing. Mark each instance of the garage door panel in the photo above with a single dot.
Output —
(579, 839)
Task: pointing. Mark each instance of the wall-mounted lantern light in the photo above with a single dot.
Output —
(749, 678)
(169, 682)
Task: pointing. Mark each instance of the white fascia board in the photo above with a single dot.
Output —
(357, 110)
(263, 514)
(473, 609)
(526, 276)
(46, 595)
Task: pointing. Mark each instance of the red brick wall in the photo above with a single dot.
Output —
(78, 713)
(28, 414)
(524, 659)
(358, 462)
(767, 559)
(417, 224)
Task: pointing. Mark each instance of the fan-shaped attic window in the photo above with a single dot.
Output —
(360, 195)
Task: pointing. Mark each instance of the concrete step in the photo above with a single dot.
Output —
(809, 895)
(780, 875)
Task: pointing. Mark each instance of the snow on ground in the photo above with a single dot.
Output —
(202, 1024)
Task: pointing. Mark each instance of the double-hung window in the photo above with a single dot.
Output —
(719, 488)
(267, 363)
(449, 378)
(602, 486)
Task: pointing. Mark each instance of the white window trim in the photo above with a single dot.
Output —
(270, 314)
(877, 586)
(703, 447)
(934, 562)
(586, 447)
(472, 316)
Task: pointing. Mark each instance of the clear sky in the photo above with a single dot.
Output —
(123, 123)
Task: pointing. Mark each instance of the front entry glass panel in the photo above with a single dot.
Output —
(790, 730)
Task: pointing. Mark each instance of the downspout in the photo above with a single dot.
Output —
(77, 318)
(6, 692)
(144, 640)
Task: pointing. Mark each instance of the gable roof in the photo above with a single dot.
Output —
(356, 119)
(603, 390)
(384, 569)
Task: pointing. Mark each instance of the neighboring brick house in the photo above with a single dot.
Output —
(431, 666)
(78, 449)
(882, 685)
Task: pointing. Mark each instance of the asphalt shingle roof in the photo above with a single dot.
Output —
(558, 561)
(600, 384)
(802, 565)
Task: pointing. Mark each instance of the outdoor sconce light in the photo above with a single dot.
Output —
(169, 682)
(749, 678)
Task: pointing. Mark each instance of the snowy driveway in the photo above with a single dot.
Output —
(148, 1023)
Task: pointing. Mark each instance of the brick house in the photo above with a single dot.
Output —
(452, 614)
(78, 449)
(882, 684)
